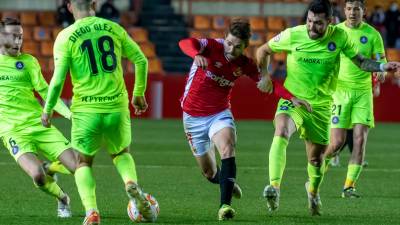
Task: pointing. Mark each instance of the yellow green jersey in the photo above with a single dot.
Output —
(91, 49)
(369, 44)
(313, 65)
(20, 76)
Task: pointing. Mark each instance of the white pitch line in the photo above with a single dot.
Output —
(239, 167)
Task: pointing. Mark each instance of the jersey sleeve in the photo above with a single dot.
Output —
(62, 57)
(378, 48)
(281, 42)
(40, 85)
(349, 49)
(132, 51)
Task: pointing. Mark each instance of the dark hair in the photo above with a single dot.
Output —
(82, 4)
(361, 1)
(321, 6)
(1, 26)
(11, 21)
(240, 28)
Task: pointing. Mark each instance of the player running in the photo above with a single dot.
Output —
(352, 101)
(312, 66)
(91, 49)
(20, 126)
(207, 118)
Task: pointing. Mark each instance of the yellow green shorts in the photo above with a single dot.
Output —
(314, 126)
(48, 141)
(91, 131)
(352, 107)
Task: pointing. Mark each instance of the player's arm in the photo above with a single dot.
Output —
(40, 85)
(132, 51)
(194, 48)
(263, 58)
(370, 65)
(62, 55)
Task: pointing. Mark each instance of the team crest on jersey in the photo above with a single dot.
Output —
(284, 108)
(237, 72)
(331, 46)
(335, 120)
(363, 39)
(19, 65)
(218, 64)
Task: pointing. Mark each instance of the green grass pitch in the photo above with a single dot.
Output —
(167, 170)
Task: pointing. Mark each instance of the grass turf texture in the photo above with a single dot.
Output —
(167, 170)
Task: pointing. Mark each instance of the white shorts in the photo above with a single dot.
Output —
(200, 130)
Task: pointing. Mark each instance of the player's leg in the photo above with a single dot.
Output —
(315, 172)
(225, 140)
(285, 126)
(362, 118)
(338, 139)
(33, 167)
(355, 166)
(86, 139)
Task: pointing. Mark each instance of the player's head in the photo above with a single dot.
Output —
(12, 37)
(319, 15)
(354, 11)
(237, 38)
(82, 8)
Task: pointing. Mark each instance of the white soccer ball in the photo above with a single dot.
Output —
(137, 217)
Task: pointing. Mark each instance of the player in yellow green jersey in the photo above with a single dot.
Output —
(20, 125)
(91, 49)
(313, 58)
(353, 104)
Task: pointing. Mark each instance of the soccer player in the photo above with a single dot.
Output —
(352, 101)
(20, 125)
(313, 58)
(91, 49)
(207, 118)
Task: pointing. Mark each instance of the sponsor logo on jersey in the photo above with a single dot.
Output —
(335, 120)
(218, 64)
(237, 72)
(363, 39)
(100, 98)
(331, 46)
(222, 81)
(314, 61)
(19, 65)
(278, 37)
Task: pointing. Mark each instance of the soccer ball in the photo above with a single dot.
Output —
(137, 217)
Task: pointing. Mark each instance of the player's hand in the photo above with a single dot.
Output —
(46, 120)
(139, 104)
(380, 76)
(265, 85)
(392, 67)
(201, 61)
(299, 102)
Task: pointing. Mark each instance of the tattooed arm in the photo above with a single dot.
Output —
(370, 65)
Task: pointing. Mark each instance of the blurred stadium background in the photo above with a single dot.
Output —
(164, 161)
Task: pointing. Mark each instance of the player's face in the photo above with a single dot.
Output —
(354, 12)
(316, 24)
(13, 39)
(233, 47)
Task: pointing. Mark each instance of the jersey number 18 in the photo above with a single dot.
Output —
(102, 43)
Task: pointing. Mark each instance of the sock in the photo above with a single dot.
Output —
(227, 180)
(215, 179)
(50, 187)
(315, 176)
(327, 160)
(277, 160)
(353, 172)
(86, 187)
(126, 167)
(57, 167)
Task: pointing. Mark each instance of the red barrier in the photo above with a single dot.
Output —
(247, 102)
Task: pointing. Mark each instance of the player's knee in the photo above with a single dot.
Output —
(315, 161)
(337, 143)
(282, 131)
(38, 178)
(227, 150)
